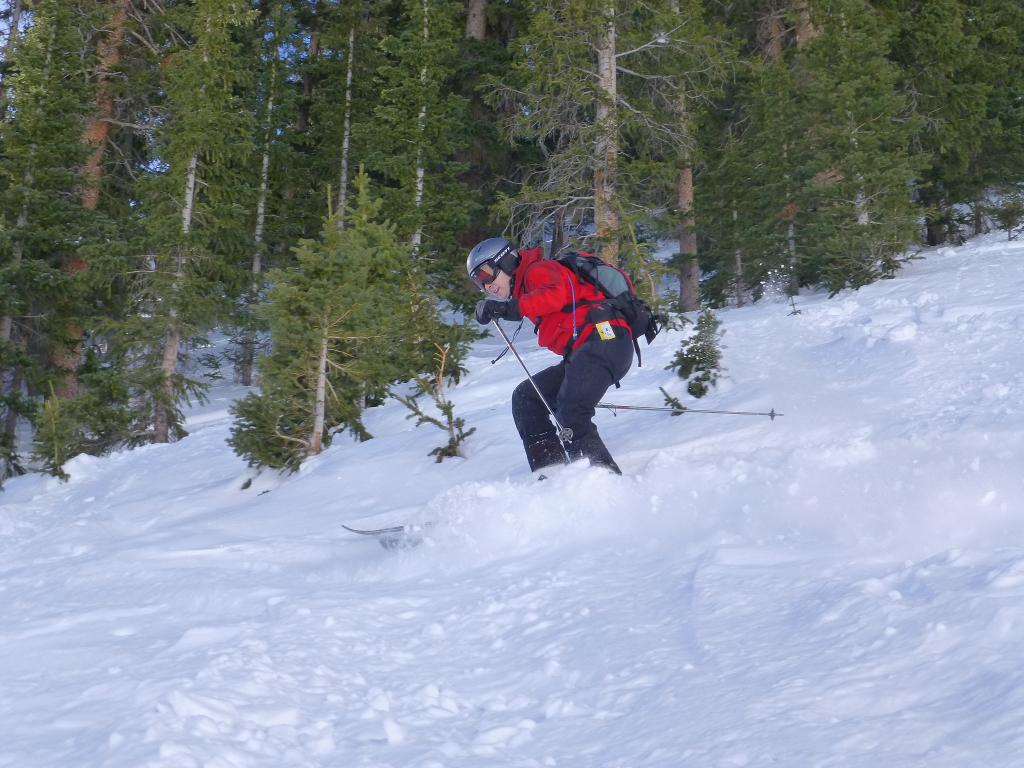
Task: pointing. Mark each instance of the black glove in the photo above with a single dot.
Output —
(491, 309)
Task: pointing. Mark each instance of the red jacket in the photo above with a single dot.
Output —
(547, 292)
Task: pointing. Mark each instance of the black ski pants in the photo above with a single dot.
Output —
(572, 388)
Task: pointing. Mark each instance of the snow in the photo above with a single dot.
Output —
(841, 586)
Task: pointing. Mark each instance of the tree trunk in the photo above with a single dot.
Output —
(248, 354)
(17, 253)
(66, 354)
(978, 211)
(346, 132)
(476, 19)
(417, 235)
(794, 278)
(317, 437)
(9, 433)
(792, 209)
(606, 214)
(739, 290)
(165, 403)
(860, 206)
(771, 33)
(557, 233)
(190, 201)
(108, 50)
(773, 51)
(261, 205)
(308, 83)
(739, 287)
(421, 126)
(805, 29)
(7, 331)
(935, 232)
(689, 269)
(12, 35)
(17, 242)
(169, 363)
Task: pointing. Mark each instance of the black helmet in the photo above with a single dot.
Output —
(496, 252)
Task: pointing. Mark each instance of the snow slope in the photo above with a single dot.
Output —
(843, 586)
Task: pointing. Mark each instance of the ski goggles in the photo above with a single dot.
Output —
(485, 274)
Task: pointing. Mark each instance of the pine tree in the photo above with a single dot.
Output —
(746, 196)
(417, 132)
(66, 350)
(698, 361)
(104, 326)
(553, 86)
(814, 183)
(434, 387)
(192, 221)
(860, 162)
(961, 62)
(329, 60)
(1000, 61)
(342, 322)
(756, 196)
(489, 162)
(1008, 213)
(50, 93)
(609, 93)
(274, 32)
(672, 67)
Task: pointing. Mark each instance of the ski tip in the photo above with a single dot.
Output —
(374, 531)
(392, 530)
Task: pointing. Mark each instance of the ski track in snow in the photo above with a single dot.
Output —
(840, 587)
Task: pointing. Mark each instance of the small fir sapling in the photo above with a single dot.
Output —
(699, 358)
(673, 402)
(434, 386)
(1009, 214)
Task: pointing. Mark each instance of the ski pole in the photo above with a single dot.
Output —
(771, 414)
(564, 433)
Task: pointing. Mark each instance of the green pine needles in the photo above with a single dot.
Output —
(1008, 213)
(345, 324)
(103, 416)
(42, 226)
(434, 387)
(699, 358)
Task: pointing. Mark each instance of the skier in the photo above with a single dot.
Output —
(595, 344)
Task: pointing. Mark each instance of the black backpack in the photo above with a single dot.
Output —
(620, 297)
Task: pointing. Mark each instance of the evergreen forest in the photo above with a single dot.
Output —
(304, 178)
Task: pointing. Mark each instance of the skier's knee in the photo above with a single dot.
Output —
(521, 395)
(528, 412)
